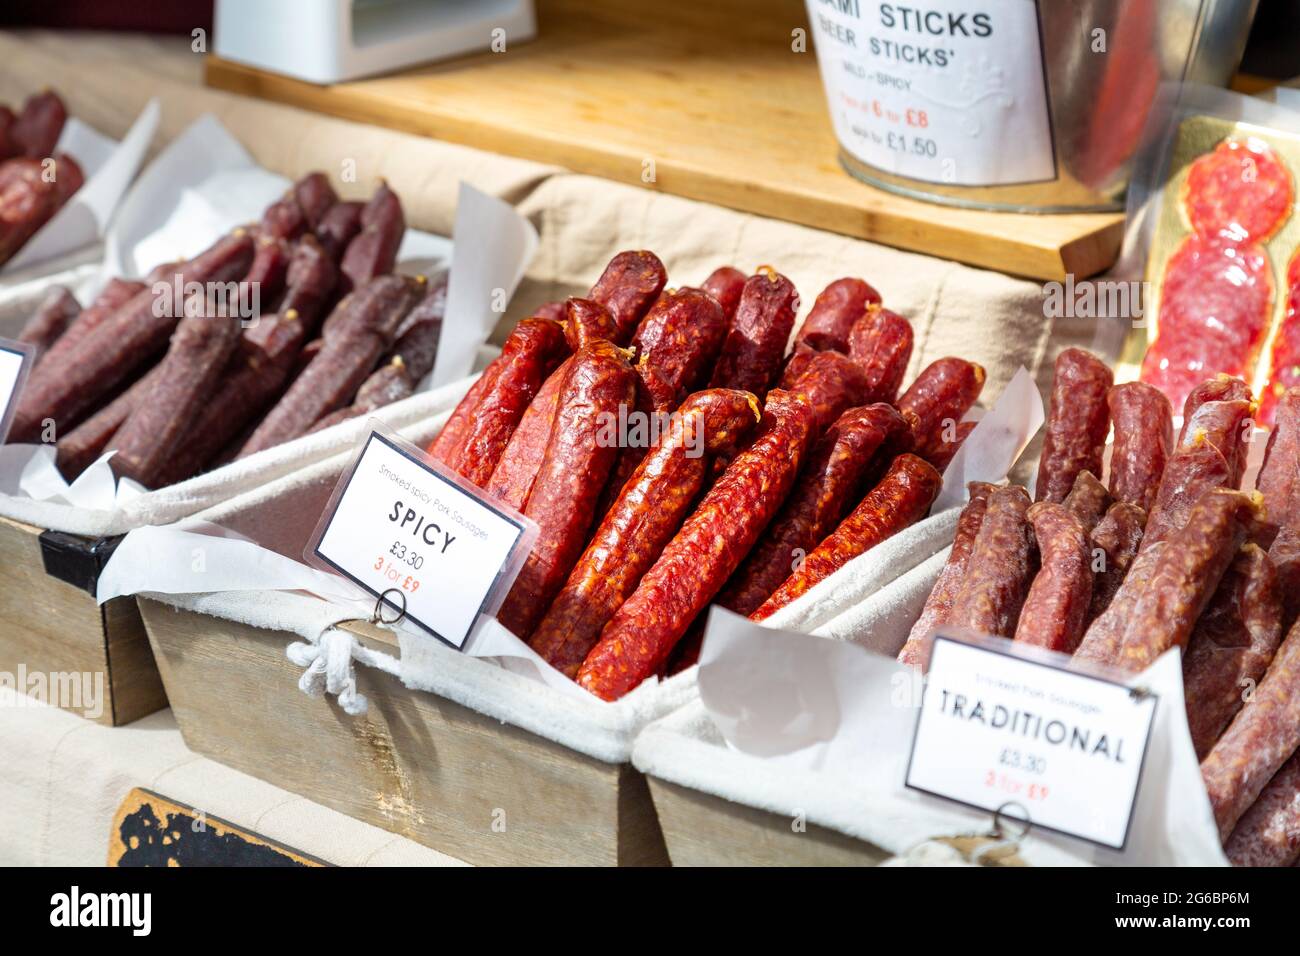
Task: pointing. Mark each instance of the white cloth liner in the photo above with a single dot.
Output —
(202, 184)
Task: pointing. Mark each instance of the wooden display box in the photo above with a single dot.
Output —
(57, 643)
(415, 764)
(701, 829)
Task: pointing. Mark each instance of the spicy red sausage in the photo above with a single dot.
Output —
(832, 383)
(943, 392)
(998, 572)
(1115, 541)
(834, 312)
(881, 342)
(1077, 423)
(751, 355)
(1088, 500)
(1056, 607)
(628, 287)
(726, 284)
(1144, 437)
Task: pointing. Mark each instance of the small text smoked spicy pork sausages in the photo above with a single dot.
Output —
(373, 252)
(834, 311)
(934, 403)
(1186, 576)
(881, 343)
(1231, 645)
(1260, 739)
(574, 471)
(1269, 832)
(657, 499)
(628, 287)
(50, 320)
(710, 545)
(826, 489)
(998, 571)
(939, 604)
(751, 355)
(1144, 437)
(902, 497)
(1056, 608)
(1077, 423)
(725, 284)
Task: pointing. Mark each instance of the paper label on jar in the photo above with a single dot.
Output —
(945, 91)
(1061, 749)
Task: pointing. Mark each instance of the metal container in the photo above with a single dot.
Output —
(1011, 104)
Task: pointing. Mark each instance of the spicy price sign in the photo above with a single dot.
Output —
(430, 545)
(995, 728)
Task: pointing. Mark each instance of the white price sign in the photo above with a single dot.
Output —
(1066, 748)
(15, 361)
(421, 539)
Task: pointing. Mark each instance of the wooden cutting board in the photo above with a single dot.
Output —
(704, 100)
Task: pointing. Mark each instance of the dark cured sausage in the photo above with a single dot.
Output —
(576, 466)
(1269, 832)
(641, 522)
(1231, 646)
(1186, 576)
(315, 197)
(118, 346)
(1077, 423)
(1279, 476)
(1260, 739)
(751, 355)
(37, 128)
(1115, 542)
(827, 486)
(934, 403)
(636, 642)
(338, 227)
(78, 450)
(834, 311)
(881, 343)
(628, 287)
(373, 252)
(1144, 437)
(902, 498)
(1101, 642)
(116, 292)
(938, 606)
(1056, 608)
(1088, 500)
(50, 320)
(998, 571)
(726, 284)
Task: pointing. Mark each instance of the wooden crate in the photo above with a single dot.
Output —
(415, 764)
(701, 829)
(50, 625)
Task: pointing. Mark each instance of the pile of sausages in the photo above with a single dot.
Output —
(34, 182)
(1169, 553)
(772, 471)
(177, 387)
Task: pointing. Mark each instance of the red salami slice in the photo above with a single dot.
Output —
(1284, 371)
(1242, 190)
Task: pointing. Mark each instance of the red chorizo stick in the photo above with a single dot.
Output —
(50, 320)
(942, 456)
(188, 375)
(1284, 552)
(118, 346)
(938, 606)
(573, 472)
(30, 196)
(1186, 576)
(938, 399)
(550, 310)
(628, 287)
(1227, 426)
(1056, 607)
(1088, 500)
(881, 342)
(1115, 542)
(999, 568)
(78, 450)
(1101, 642)
(315, 197)
(37, 128)
(902, 497)
(827, 485)
(1260, 739)
(1144, 436)
(116, 293)
(834, 312)
(636, 642)
(796, 365)
(751, 355)
(1278, 477)
(373, 252)
(338, 227)
(642, 521)
(726, 284)
(1077, 423)
(832, 383)
(1231, 645)
(1269, 832)
(1221, 388)
(344, 362)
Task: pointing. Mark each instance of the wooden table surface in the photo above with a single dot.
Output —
(704, 100)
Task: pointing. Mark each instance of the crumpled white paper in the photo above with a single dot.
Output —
(109, 168)
(797, 703)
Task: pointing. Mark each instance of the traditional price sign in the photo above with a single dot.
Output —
(995, 728)
(420, 539)
(15, 361)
